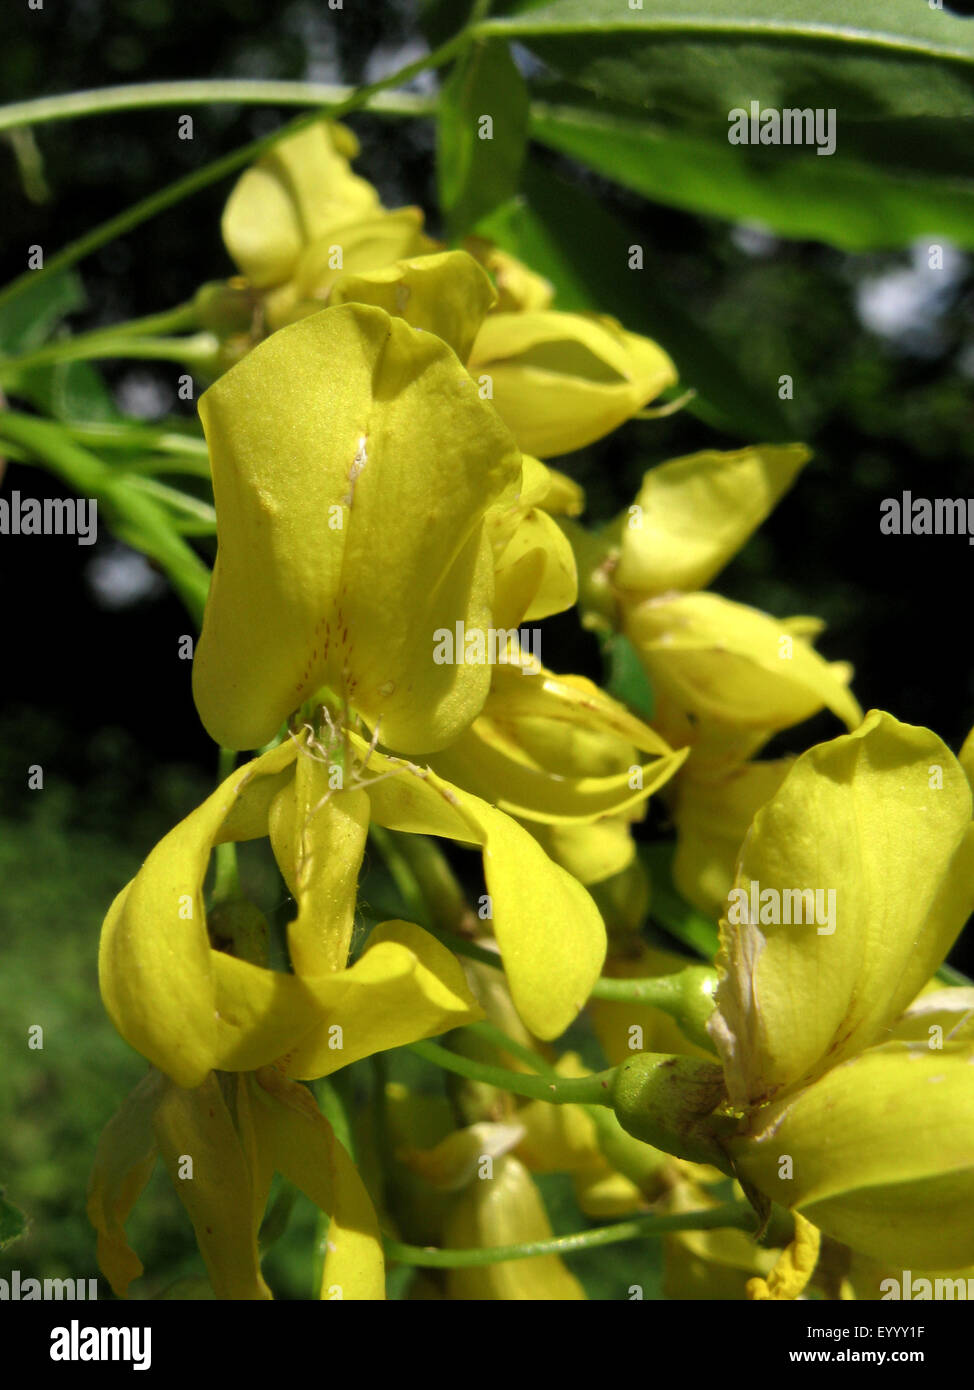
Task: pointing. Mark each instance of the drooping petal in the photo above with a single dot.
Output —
(561, 381)
(305, 1150)
(124, 1160)
(889, 858)
(209, 1168)
(692, 514)
(404, 987)
(155, 960)
(549, 931)
(345, 437)
(882, 1151)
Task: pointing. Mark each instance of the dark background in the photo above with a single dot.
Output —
(99, 697)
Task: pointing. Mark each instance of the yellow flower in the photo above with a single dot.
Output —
(222, 1142)
(299, 219)
(869, 1133)
(562, 380)
(353, 466)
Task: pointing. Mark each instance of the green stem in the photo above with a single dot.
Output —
(197, 350)
(500, 1040)
(190, 452)
(560, 1090)
(734, 1215)
(687, 995)
(136, 519)
(226, 878)
(192, 183)
(212, 92)
(203, 513)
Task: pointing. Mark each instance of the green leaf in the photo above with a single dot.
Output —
(699, 58)
(899, 76)
(72, 391)
(479, 164)
(13, 1222)
(27, 322)
(672, 911)
(557, 227)
(844, 200)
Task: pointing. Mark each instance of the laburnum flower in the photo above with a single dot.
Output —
(725, 676)
(304, 229)
(221, 1143)
(857, 1118)
(351, 436)
(300, 218)
(488, 1199)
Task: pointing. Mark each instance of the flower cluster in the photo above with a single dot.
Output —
(386, 529)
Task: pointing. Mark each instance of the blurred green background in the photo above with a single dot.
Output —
(881, 352)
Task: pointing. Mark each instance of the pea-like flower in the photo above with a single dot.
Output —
(850, 1117)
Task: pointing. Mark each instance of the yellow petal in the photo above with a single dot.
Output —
(458, 1160)
(506, 1210)
(404, 987)
(447, 294)
(719, 664)
(535, 575)
(290, 197)
(712, 816)
(692, 514)
(124, 1160)
(794, 1267)
(549, 931)
(561, 381)
(354, 247)
(218, 1191)
(318, 832)
(882, 1154)
(306, 1151)
(517, 286)
(346, 436)
(155, 961)
(856, 818)
(591, 851)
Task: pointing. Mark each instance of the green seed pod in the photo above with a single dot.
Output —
(667, 1102)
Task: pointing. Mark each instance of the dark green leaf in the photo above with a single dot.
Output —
(899, 77)
(847, 199)
(699, 58)
(481, 135)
